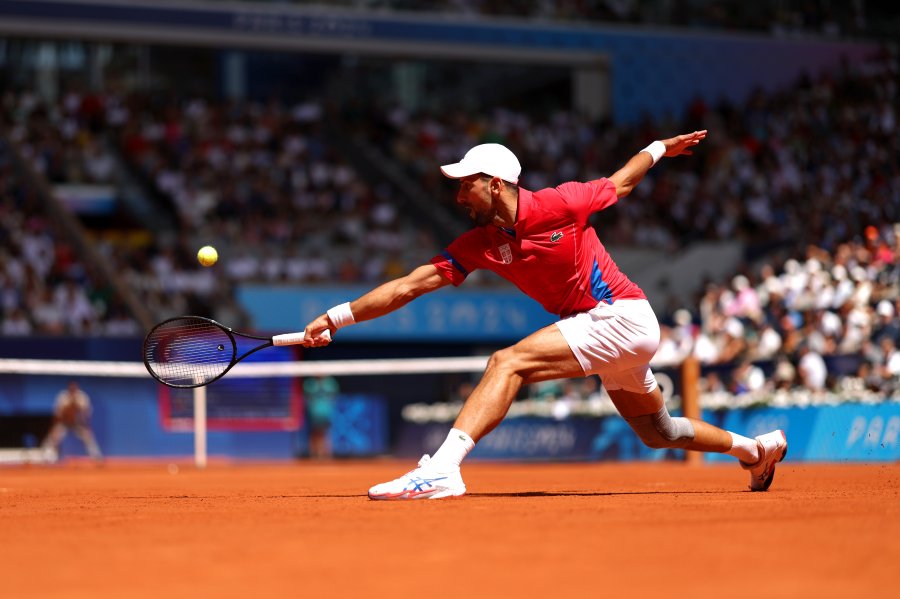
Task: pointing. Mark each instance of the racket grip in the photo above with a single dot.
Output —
(296, 338)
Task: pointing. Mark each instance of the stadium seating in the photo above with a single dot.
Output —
(46, 288)
(779, 18)
(809, 189)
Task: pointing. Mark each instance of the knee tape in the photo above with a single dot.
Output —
(660, 430)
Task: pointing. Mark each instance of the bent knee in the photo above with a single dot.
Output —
(660, 431)
(505, 359)
(657, 442)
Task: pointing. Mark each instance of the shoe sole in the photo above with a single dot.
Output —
(448, 494)
(406, 495)
(769, 480)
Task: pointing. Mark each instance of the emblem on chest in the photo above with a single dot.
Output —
(506, 255)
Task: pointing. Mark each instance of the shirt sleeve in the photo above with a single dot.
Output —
(456, 262)
(584, 199)
(450, 268)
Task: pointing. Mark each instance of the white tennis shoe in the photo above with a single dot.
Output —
(424, 482)
(773, 449)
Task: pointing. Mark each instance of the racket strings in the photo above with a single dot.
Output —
(188, 351)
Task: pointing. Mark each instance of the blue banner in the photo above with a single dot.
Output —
(845, 433)
(537, 438)
(446, 315)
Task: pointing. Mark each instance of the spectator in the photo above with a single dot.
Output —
(888, 367)
(734, 343)
(768, 343)
(785, 375)
(747, 378)
(670, 352)
(812, 370)
(712, 383)
(886, 325)
(870, 379)
(16, 324)
(743, 303)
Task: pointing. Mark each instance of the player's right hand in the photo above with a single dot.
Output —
(318, 332)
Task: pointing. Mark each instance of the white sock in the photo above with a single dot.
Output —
(455, 448)
(744, 449)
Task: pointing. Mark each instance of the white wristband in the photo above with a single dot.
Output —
(341, 315)
(656, 150)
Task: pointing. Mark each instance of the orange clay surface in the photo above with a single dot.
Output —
(306, 529)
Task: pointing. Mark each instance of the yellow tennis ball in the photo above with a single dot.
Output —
(207, 255)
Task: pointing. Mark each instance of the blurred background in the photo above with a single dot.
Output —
(303, 141)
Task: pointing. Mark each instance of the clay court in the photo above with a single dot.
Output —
(549, 530)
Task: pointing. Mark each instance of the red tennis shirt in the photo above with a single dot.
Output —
(552, 254)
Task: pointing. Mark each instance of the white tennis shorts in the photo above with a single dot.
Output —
(615, 341)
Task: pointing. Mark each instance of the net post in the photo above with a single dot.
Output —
(690, 401)
(200, 427)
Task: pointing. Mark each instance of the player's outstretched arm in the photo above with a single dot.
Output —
(626, 178)
(380, 301)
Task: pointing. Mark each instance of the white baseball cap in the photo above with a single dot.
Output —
(491, 159)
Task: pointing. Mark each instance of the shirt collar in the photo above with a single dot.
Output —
(523, 210)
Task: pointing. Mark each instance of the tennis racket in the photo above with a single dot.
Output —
(192, 351)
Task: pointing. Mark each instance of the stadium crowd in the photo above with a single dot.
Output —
(807, 178)
(813, 164)
(820, 329)
(45, 287)
(824, 323)
(262, 183)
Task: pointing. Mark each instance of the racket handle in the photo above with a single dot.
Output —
(296, 338)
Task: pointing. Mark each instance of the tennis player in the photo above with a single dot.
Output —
(72, 412)
(541, 241)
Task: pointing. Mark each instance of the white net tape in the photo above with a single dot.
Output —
(245, 370)
(255, 369)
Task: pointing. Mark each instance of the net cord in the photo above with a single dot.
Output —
(254, 369)
(245, 370)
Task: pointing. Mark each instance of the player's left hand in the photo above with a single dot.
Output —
(682, 144)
